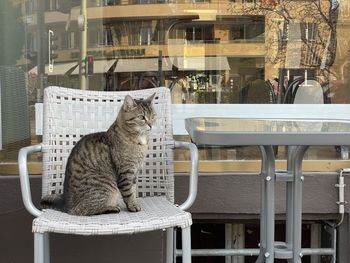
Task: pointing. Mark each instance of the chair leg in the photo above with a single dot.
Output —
(39, 244)
(46, 248)
(186, 244)
(170, 245)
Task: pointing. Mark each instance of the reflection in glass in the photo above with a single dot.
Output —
(203, 51)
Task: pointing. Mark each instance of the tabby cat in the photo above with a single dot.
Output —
(102, 167)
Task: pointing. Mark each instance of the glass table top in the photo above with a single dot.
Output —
(233, 131)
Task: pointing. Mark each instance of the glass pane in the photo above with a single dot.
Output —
(205, 52)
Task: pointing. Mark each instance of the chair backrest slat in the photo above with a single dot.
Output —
(70, 114)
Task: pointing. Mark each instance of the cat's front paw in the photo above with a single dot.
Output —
(134, 207)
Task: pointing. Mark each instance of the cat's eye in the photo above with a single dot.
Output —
(141, 117)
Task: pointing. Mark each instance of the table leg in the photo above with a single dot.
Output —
(263, 173)
(268, 205)
(297, 158)
(289, 202)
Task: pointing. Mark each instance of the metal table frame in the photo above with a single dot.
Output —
(293, 177)
(291, 248)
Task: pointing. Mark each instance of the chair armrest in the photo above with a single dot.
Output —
(193, 181)
(24, 178)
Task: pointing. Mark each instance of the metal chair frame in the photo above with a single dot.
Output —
(68, 115)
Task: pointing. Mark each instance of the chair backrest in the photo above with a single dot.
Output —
(310, 92)
(292, 86)
(257, 92)
(70, 114)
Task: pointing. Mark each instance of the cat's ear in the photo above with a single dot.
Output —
(129, 103)
(150, 98)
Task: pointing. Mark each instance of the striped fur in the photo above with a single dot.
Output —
(102, 167)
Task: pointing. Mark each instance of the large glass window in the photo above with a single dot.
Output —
(205, 52)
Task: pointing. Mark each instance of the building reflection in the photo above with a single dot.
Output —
(205, 51)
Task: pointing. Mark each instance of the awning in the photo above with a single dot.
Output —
(142, 65)
(100, 66)
(33, 71)
(202, 63)
(58, 68)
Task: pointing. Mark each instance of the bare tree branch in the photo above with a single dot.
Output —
(319, 15)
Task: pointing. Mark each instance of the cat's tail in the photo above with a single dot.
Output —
(55, 201)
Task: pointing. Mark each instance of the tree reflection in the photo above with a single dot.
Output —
(298, 35)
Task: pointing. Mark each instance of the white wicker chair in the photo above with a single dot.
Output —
(68, 115)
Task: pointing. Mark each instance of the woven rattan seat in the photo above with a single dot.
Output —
(156, 213)
(70, 114)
